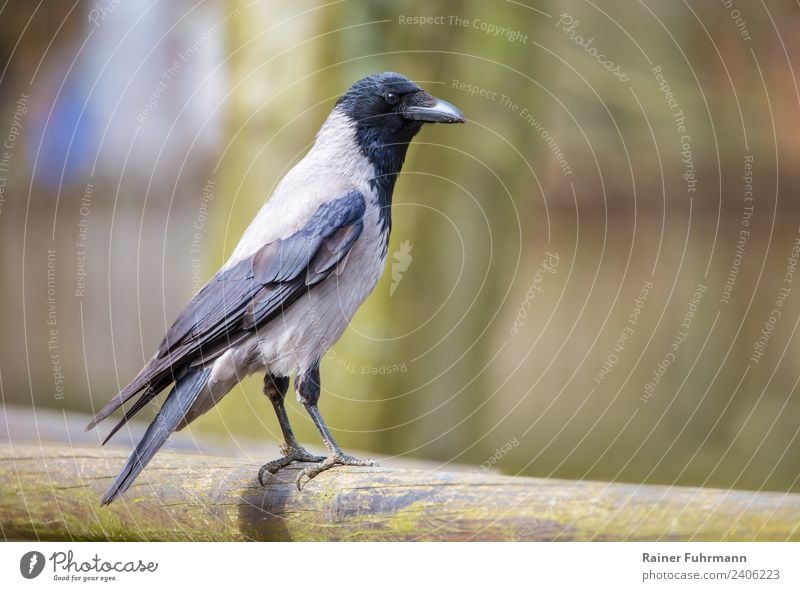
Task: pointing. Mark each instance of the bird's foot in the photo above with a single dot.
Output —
(290, 454)
(335, 459)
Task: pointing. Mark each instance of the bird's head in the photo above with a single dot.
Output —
(390, 108)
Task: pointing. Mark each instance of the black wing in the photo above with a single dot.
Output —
(240, 299)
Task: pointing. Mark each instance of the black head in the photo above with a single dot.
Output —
(393, 107)
(388, 109)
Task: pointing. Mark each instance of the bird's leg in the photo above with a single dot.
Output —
(275, 389)
(308, 390)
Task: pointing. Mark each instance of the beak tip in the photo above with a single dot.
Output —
(449, 113)
(440, 112)
(454, 116)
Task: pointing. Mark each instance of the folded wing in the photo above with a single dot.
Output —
(240, 299)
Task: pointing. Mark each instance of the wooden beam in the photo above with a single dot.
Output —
(53, 493)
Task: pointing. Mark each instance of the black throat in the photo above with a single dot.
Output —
(386, 150)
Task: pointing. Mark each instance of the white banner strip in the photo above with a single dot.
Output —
(377, 566)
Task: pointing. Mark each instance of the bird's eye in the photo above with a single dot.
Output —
(392, 98)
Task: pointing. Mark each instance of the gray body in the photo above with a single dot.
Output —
(294, 341)
(305, 264)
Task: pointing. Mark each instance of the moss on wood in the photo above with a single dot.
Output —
(52, 493)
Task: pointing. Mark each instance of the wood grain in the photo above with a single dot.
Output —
(53, 493)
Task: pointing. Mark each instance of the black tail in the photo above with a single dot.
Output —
(173, 410)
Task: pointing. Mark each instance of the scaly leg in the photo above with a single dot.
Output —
(308, 390)
(275, 389)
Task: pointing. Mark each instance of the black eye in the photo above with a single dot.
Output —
(392, 98)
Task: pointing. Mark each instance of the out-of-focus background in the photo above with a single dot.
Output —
(596, 277)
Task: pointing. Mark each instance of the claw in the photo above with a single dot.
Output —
(272, 468)
(291, 454)
(327, 464)
(299, 482)
(261, 480)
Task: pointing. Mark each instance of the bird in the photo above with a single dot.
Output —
(310, 257)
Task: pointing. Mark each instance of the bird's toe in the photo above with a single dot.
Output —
(291, 454)
(336, 459)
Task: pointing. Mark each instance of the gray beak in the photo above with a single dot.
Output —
(430, 109)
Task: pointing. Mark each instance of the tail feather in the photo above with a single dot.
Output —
(150, 393)
(152, 377)
(173, 410)
(146, 397)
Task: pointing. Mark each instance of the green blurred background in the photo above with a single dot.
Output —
(580, 282)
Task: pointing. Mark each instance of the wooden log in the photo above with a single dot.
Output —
(52, 493)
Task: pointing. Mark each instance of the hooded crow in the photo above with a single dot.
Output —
(305, 264)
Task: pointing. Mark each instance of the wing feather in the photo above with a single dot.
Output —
(247, 295)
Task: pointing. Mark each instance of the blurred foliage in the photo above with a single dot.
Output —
(465, 353)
